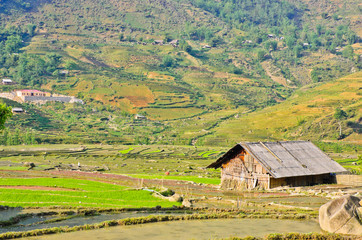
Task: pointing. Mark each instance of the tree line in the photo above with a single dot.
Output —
(26, 69)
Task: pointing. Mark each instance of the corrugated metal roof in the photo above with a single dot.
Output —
(287, 159)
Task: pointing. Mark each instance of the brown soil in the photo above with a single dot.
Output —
(37, 188)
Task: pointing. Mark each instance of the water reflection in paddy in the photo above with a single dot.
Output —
(77, 221)
(195, 229)
(6, 214)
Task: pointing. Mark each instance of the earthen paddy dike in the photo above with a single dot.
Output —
(194, 229)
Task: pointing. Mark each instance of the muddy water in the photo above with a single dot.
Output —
(28, 224)
(194, 229)
(9, 213)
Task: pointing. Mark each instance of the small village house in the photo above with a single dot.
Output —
(273, 164)
(174, 43)
(7, 81)
(35, 93)
(158, 42)
(140, 117)
(17, 110)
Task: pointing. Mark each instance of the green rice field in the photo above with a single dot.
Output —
(16, 192)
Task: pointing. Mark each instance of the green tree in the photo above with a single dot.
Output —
(13, 44)
(185, 46)
(70, 65)
(324, 15)
(339, 114)
(290, 41)
(30, 28)
(167, 38)
(5, 113)
(260, 54)
(121, 37)
(274, 45)
(168, 61)
(297, 51)
(352, 37)
(319, 29)
(215, 41)
(347, 52)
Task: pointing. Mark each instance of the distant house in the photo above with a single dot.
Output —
(305, 44)
(206, 46)
(273, 164)
(17, 110)
(64, 72)
(175, 42)
(139, 117)
(7, 81)
(270, 35)
(158, 42)
(35, 93)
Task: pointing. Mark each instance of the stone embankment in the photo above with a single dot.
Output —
(10, 96)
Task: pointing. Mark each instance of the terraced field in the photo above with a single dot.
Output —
(46, 192)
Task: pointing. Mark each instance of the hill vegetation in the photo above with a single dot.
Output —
(236, 63)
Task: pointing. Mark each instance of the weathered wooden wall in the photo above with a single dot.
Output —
(244, 171)
(302, 180)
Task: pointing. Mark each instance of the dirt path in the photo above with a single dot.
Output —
(277, 79)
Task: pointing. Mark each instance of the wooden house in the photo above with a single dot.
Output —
(158, 42)
(140, 117)
(273, 164)
(17, 110)
(7, 81)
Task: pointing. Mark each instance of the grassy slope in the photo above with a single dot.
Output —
(308, 114)
(195, 101)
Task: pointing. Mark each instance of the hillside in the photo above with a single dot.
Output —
(257, 58)
(307, 114)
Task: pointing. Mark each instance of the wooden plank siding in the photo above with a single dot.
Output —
(244, 171)
(268, 165)
(302, 180)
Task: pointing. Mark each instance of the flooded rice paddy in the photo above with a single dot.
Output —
(6, 214)
(36, 222)
(194, 229)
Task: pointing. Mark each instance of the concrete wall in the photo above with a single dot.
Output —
(39, 98)
(352, 180)
(43, 100)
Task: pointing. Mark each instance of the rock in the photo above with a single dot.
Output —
(186, 203)
(175, 198)
(29, 164)
(341, 216)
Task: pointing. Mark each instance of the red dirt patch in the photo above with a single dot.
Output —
(38, 188)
